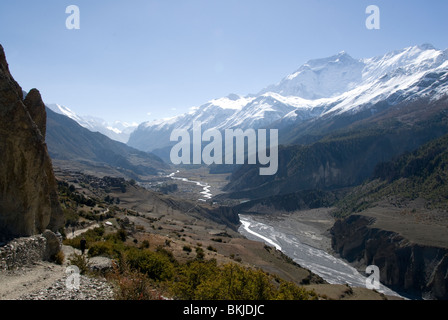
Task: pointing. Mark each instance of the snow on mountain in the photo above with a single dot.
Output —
(118, 131)
(394, 77)
(321, 87)
(156, 134)
(64, 111)
(321, 78)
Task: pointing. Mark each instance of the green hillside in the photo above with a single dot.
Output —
(420, 174)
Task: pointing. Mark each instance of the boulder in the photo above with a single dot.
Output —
(52, 246)
(100, 264)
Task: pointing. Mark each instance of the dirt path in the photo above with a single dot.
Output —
(36, 277)
(14, 284)
(71, 235)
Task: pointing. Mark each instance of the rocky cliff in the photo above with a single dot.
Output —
(410, 268)
(28, 194)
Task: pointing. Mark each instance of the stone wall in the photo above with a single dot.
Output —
(25, 251)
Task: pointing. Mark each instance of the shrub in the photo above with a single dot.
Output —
(200, 253)
(235, 282)
(211, 248)
(121, 235)
(59, 257)
(105, 248)
(155, 265)
(131, 284)
(189, 276)
(290, 291)
(198, 280)
(81, 262)
(144, 244)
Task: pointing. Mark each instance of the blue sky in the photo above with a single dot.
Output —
(140, 60)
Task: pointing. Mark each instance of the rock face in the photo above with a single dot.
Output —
(415, 269)
(28, 193)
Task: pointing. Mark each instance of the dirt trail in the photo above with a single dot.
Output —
(16, 283)
(71, 235)
(36, 277)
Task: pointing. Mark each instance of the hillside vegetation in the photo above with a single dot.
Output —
(160, 252)
(420, 174)
(141, 273)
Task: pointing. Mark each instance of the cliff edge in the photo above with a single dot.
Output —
(28, 193)
(411, 268)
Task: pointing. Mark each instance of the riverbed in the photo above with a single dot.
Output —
(276, 232)
(303, 236)
(205, 193)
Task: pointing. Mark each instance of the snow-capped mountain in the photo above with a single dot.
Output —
(321, 78)
(118, 131)
(320, 88)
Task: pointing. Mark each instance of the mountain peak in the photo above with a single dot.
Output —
(320, 87)
(316, 64)
(426, 46)
(233, 97)
(321, 78)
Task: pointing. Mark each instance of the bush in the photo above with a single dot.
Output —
(131, 284)
(119, 236)
(105, 248)
(211, 248)
(198, 280)
(235, 282)
(155, 265)
(81, 262)
(189, 276)
(290, 291)
(59, 257)
(200, 253)
(144, 244)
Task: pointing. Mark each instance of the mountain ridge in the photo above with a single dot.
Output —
(69, 141)
(118, 130)
(392, 77)
(343, 155)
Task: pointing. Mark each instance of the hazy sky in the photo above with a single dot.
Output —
(139, 60)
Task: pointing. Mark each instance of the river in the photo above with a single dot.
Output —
(206, 194)
(330, 268)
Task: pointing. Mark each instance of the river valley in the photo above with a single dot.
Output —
(306, 247)
(302, 235)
